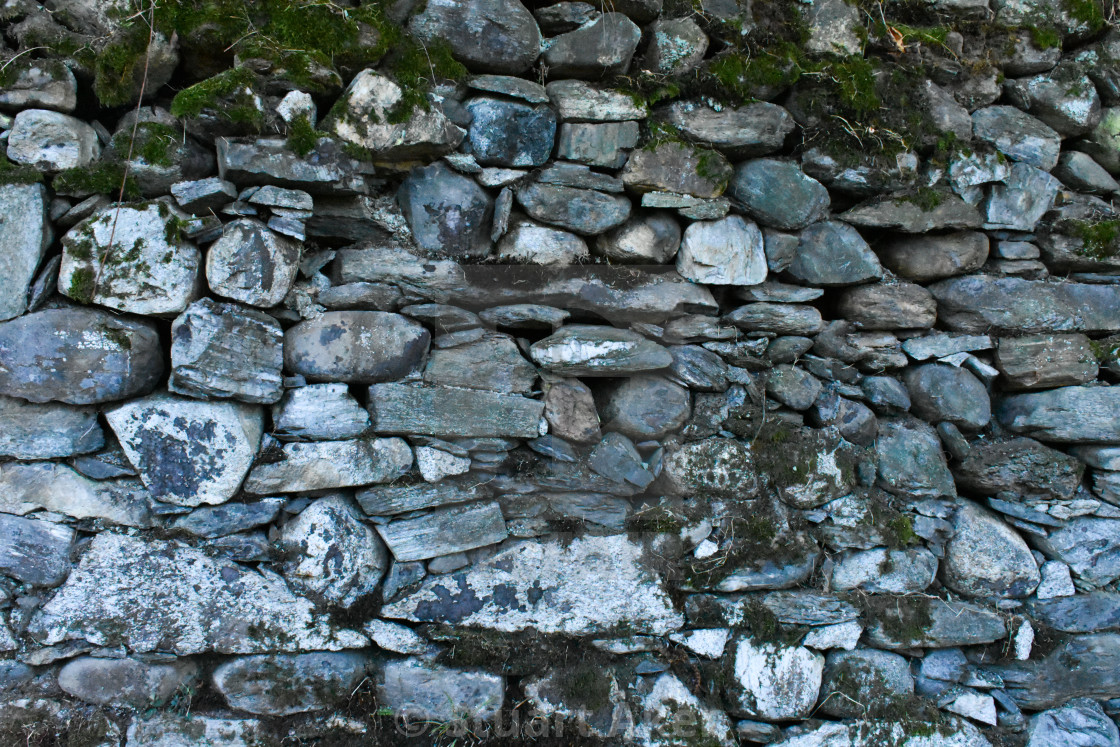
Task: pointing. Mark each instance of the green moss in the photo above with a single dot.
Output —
(1106, 350)
(154, 143)
(236, 83)
(1089, 12)
(302, 136)
(415, 68)
(118, 336)
(1045, 37)
(118, 71)
(101, 178)
(82, 285)
(1100, 239)
(682, 725)
(905, 619)
(926, 198)
(16, 173)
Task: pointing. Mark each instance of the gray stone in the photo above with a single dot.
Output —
(911, 462)
(1021, 465)
(166, 729)
(284, 684)
(983, 304)
(677, 46)
(888, 306)
(493, 363)
(945, 393)
(677, 167)
(832, 28)
(671, 712)
(779, 318)
(698, 369)
(804, 467)
(925, 258)
(616, 458)
(915, 621)
(323, 465)
(387, 500)
(778, 194)
(180, 157)
(447, 212)
(1019, 204)
(1056, 581)
(987, 558)
(1069, 414)
(907, 215)
(855, 421)
(885, 394)
(773, 681)
(956, 732)
(833, 253)
(319, 412)
(252, 264)
(1063, 98)
(579, 176)
(362, 117)
(188, 452)
(592, 350)
(881, 570)
(51, 142)
(444, 531)
(740, 132)
(942, 344)
(724, 252)
(204, 195)
(1083, 666)
(450, 412)
(1081, 613)
(596, 144)
(719, 467)
(599, 48)
(577, 101)
(1079, 723)
(129, 682)
(131, 259)
(1045, 361)
(229, 518)
(40, 84)
(527, 241)
(508, 85)
(793, 387)
(583, 211)
(945, 114)
(46, 431)
(561, 17)
(34, 552)
(1101, 144)
(1088, 545)
(428, 693)
(495, 36)
(507, 133)
(644, 407)
(355, 346)
(1080, 172)
(858, 682)
(149, 595)
(221, 350)
(1018, 135)
(648, 238)
(327, 169)
(524, 316)
(56, 487)
(598, 582)
(26, 233)
(569, 408)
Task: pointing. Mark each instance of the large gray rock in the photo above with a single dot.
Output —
(925, 258)
(865, 681)
(355, 346)
(1018, 135)
(451, 412)
(327, 169)
(444, 531)
(586, 586)
(648, 238)
(422, 692)
(132, 259)
(941, 393)
(1090, 546)
(598, 48)
(1072, 414)
(719, 467)
(283, 684)
(602, 144)
(228, 518)
(881, 570)
(34, 552)
(833, 253)
(911, 462)
(126, 682)
(492, 363)
(527, 241)
(48, 430)
(888, 306)
(25, 233)
(323, 465)
(723, 252)
(56, 487)
(148, 595)
(496, 36)
(1080, 172)
(1020, 202)
(899, 622)
(772, 681)
(319, 412)
(679, 168)
(583, 211)
(738, 132)
(1083, 666)
(1079, 723)
(188, 452)
(507, 133)
(594, 350)
(1045, 361)
(909, 216)
(40, 84)
(986, 557)
(447, 212)
(221, 350)
(1021, 465)
(1063, 98)
(778, 194)
(984, 303)
(252, 264)
(1079, 613)
(50, 141)
(678, 46)
(644, 407)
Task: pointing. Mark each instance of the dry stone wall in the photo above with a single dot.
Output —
(636, 373)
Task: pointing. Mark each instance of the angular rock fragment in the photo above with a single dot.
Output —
(583, 211)
(1088, 545)
(577, 101)
(650, 238)
(34, 552)
(319, 412)
(219, 521)
(444, 531)
(888, 306)
(386, 500)
(1083, 666)
(671, 712)
(284, 684)
(1080, 721)
(724, 252)
(678, 168)
(592, 350)
(355, 346)
(448, 213)
(569, 408)
(327, 169)
(833, 253)
(507, 133)
(323, 465)
(450, 412)
(493, 363)
(252, 264)
(741, 132)
(1045, 361)
(1019, 135)
(778, 194)
(23, 243)
(598, 48)
(165, 729)
(881, 570)
(1021, 465)
(987, 558)
(528, 242)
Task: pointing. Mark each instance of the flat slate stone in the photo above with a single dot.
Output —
(1045, 361)
(1084, 666)
(322, 465)
(1072, 414)
(319, 412)
(228, 518)
(327, 169)
(444, 531)
(34, 552)
(579, 101)
(1094, 612)
(23, 242)
(596, 350)
(56, 487)
(583, 211)
(979, 304)
(172, 730)
(451, 412)
(915, 621)
(1089, 545)
(492, 363)
(740, 132)
(1021, 465)
(30, 430)
(387, 500)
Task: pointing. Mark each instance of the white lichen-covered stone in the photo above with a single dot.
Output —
(167, 729)
(843, 635)
(599, 711)
(57, 487)
(400, 639)
(706, 642)
(436, 464)
(723, 252)
(586, 586)
(955, 733)
(149, 595)
(974, 705)
(285, 684)
(319, 412)
(188, 452)
(252, 264)
(51, 142)
(672, 715)
(774, 681)
(323, 465)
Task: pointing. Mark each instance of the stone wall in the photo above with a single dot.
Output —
(651, 373)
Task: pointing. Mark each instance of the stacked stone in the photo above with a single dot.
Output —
(513, 407)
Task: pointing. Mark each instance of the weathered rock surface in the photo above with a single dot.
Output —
(932, 257)
(644, 407)
(171, 730)
(833, 253)
(252, 264)
(34, 552)
(1069, 414)
(444, 531)
(941, 393)
(911, 461)
(584, 211)
(772, 681)
(50, 141)
(323, 465)
(498, 36)
(283, 684)
(1045, 361)
(448, 213)
(601, 47)
(56, 487)
(742, 132)
(423, 692)
(355, 346)
(586, 350)
(47, 430)
(724, 252)
(858, 682)
(778, 194)
(1021, 465)
(131, 682)
(982, 304)
(319, 412)
(986, 557)
(23, 243)
(451, 412)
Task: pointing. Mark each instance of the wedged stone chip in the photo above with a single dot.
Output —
(888, 306)
(1084, 666)
(906, 215)
(201, 196)
(56, 487)
(1090, 546)
(386, 500)
(131, 259)
(599, 48)
(327, 169)
(1071, 414)
(772, 681)
(34, 552)
(987, 558)
(583, 587)
(218, 521)
(1021, 465)
(1081, 721)
(617, 459)
(856, 682)
(911, 462)
(1045, 361)
(252, 263)
(778, 194)
(221, 350)
(925, 258)
(1018, 135)
(596, 350)
(355, 346)
(362, 118)
(283, 684)
(23, 241)
(942, 393)
(584, 211)
(915, 621)
(740, 132)
(881, 570)
(721, 467)
(833, 253)
(188, 452)
(50, 141)
(444, 531)
(129, 682)
(984, 303)
(496, 36)
(508, 133)
(508, 85)
(323, 465)
(450, 412)
(319, 412)
(524, 316)
(679, 168)
(425, 692)
(148, 595)
(47, 430)
(723, 252)
(448, 213)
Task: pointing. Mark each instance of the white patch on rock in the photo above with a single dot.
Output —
(775, 682)
(436, 464)
(706, 642)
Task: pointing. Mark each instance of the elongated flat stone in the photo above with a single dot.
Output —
(386, 500)
(444, 531)
(323, 465)
(1071, 414)
(595, 350)
(980, 304)
(56, 487)
(449, 412)
(36, 552)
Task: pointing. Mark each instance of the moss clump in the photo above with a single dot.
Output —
(83, 284)
(682, 725)
(101, 178)
(17, 173)
(926, 198)
(1045, 37)
(1089, 12)
(302, 136)
(903, 619)
(154, 143)
(1106, 350)
(119, 67)
(414, 68)
(118, 337)
(1100, 240)
(228, 94)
